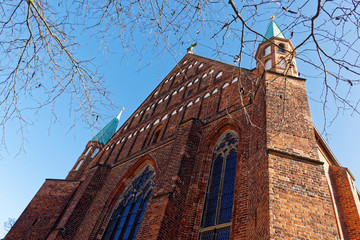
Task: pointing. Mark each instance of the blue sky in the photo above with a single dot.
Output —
(51, 150)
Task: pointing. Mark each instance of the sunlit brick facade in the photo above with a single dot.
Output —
(287, 183)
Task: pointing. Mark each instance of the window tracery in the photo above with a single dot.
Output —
(217, 214)
(126, 218)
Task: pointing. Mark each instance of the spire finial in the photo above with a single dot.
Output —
(191, 48)
(119, 115)
(273, 30)
(108, 131)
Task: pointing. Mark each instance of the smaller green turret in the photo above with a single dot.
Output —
(108, 131)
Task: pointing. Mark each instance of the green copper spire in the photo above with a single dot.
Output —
(273, 30)
(108, 131)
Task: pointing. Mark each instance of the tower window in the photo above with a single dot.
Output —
(267, 50)
(282, 63)
(78, 165)
(87, 151)
(217, 213)
(281, 48)
(95, 152)
(268, 65)
(126, 218)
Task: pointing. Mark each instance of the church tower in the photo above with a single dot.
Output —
(276, 53)
(215, 152)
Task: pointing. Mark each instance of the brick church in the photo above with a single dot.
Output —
(214, 152)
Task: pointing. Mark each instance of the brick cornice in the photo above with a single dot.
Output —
(295, 157)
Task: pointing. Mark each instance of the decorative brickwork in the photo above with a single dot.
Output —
(281, 190)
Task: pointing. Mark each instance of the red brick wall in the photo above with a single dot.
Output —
(41, 215)
(280, 186)
(289, 124)
(345, 200)
(77, 210)
(300, 205)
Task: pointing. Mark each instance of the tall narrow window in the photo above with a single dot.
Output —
(281, 48)
(95, 152)
(78, 165)
(87, 151)
(217, 212)
(267, 50)
(268, 65)
(282, 63)
(126, 218)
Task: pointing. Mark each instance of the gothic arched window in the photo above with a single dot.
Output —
(126, 218)
(216, 219)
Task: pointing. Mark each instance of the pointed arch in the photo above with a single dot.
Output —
(126, 204)
(128, 214)
(131, 173)
(217, 211)
(156, 134)
(223, 126)
(223, 154)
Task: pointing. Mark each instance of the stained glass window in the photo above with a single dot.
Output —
(126, 218)
(217, 213)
